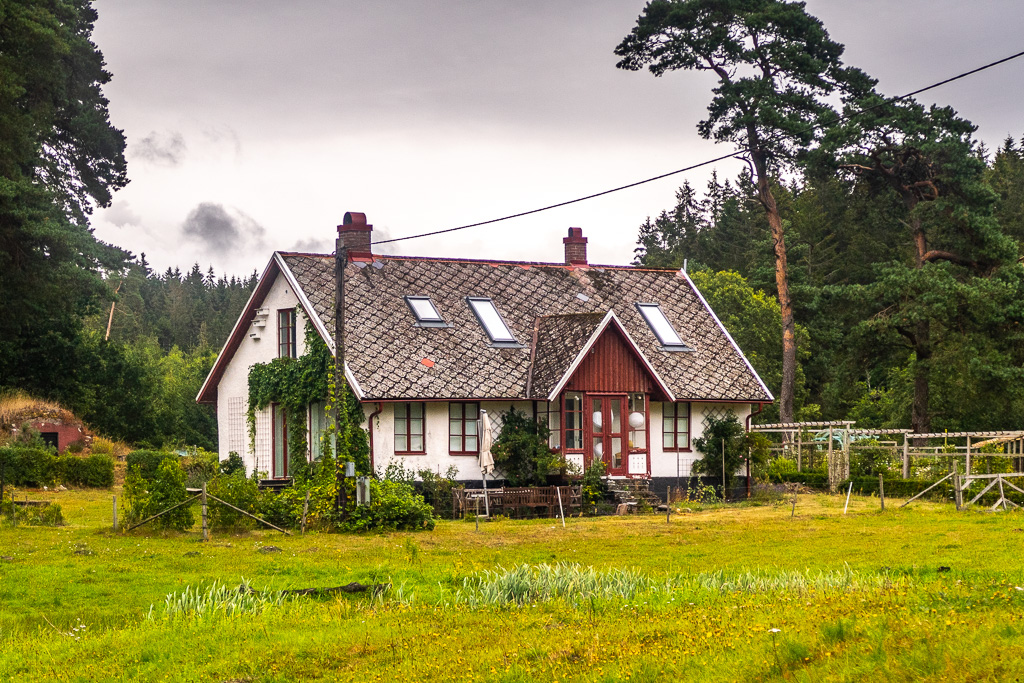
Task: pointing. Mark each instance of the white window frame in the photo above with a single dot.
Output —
(489, 317)
(415, 303)
(661, 327)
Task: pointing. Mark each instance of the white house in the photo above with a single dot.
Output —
(624, 363)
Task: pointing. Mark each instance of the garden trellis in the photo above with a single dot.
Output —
(934, 455)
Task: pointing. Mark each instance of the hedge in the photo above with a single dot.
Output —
(95, 471)
(38, 467)
(28, 466)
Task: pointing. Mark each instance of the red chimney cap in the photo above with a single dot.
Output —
(354, 221)
(575, 237)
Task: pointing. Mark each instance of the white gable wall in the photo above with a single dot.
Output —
(233, 388)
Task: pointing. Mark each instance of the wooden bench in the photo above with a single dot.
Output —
(511, 500)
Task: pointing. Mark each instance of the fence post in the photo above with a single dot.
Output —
(115, 513)
(206, 526)
(967, 467)
(799, 450)
(906, 457)
(956, 486)
(881, 490)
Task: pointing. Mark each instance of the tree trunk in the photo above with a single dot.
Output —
(920, 420)
(767, 200)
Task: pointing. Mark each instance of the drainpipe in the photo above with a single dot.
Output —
(369, 423)
(760, 407)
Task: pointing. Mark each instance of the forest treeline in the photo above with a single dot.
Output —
(140, 384)
(873, 319)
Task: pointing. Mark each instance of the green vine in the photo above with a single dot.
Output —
(295, 383)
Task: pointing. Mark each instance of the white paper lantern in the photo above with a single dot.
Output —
(636, 420)
(598, 450)
(597, 420)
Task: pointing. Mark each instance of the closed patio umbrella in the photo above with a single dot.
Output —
(486, 459)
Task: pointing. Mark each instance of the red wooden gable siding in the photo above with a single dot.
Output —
(612, 366)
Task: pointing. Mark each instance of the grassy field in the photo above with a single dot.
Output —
(727, 594)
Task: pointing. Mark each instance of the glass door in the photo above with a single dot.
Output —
(607, 435)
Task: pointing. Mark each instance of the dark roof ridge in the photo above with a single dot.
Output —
(497, 262)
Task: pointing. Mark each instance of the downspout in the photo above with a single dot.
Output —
(760, 407)
(369, 423)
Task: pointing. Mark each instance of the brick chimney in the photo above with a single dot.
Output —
(575, 247)
(354, 235)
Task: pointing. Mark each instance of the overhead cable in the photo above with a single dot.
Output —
(731, 155)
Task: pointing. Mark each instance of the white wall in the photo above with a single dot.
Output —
(436, 457)
(233, 389)
(671, 464)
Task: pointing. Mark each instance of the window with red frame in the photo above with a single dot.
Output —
(409, 428)
(462, 428)
(286, 347)
(675, 426)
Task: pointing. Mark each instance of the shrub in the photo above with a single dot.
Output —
(437, 489)
(102, 446)
(240, 492)
(28, 466)
(521, 451)
(233, 465)
(96, 471)
(779, 467)
(200, 465)
(393, 506)
(148, 462)
(167, 490)
(729, 431)
(48, 515)
(134, 497)
(593, 485)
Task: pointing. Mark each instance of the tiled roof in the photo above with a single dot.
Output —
(560, 338)
(385, 351)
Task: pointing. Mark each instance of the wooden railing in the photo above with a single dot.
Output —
(517, 501)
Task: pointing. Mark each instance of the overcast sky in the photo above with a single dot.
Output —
(254, 125)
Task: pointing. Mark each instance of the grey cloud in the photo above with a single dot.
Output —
(313, 246)
(164, 149)
(224, 135)
(224, 231)
(121, 214)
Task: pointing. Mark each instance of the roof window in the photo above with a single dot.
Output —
(425, 311)
(662, 328)
(492, 322)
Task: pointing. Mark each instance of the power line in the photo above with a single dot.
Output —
(731, 155)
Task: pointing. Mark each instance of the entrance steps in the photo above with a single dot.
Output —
(633, 491)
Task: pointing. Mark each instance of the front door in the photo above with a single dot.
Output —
(607, 435)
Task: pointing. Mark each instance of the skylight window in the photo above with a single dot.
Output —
(425, 311)
(487, 313)
(662, 328)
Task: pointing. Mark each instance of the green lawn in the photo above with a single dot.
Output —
(894, 617)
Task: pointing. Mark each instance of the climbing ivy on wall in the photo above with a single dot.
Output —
(295, 383)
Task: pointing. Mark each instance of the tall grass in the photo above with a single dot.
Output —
(575, 584)
(16, 406)
(218, 600)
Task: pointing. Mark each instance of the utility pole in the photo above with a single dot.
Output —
(340, 261)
